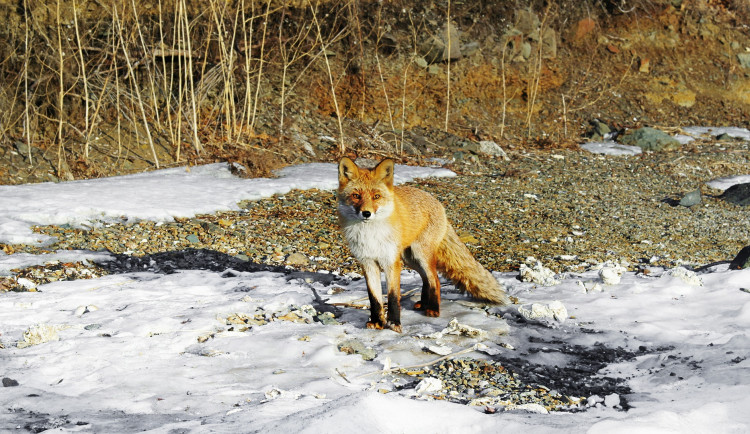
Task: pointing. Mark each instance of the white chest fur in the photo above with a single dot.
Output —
(372, 240)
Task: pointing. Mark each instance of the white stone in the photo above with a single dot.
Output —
(612, 400)
(538, 274)
(429, 385)
(686, 276)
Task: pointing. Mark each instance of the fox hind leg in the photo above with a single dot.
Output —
(427, 269)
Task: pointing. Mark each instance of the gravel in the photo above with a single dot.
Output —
(567, 208)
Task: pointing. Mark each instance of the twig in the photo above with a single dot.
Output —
(323, 48)
(61, 94)
(137, 91)
(26, 122)
(260, 64)
(351, 303)
(87, 101)
(448, 79)
(342, 375)
(421, 365)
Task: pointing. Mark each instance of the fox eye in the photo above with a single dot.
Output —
(376, 196)
(356, 196)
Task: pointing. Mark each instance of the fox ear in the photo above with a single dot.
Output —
(384, 171)
(348, 170)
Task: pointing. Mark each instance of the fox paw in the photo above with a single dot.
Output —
(395, 327)
(432, 313)
(374, 325)
(418, 305)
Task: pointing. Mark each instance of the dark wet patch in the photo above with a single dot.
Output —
(204, 259)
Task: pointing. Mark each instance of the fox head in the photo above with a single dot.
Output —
(365, 194)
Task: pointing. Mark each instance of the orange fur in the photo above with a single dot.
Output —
(387, 225)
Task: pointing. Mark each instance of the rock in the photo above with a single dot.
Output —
(537, 273)
(553, 311)
(456, 328)
(549, 44)
(22, 148)
(644, 65)
(600, 130)
(353, 346)
(742, 260)
(530, 407)
(297, 259)
(439, 49)
(39, 334)
(611, 275)
(687, 276)
(744, 59)
(612, 400)
(81, 310)
(428, 386)
(525, 50)
(683, 97)
(691, 199)
(451, 36)
(193, 239)
(470, 48)
(442, 350)
(583, 28)
(9, 382)
(527, 21)
(486, 147)
(724, 137)
(592, 400)
(650, 139)
(738, 194)
(328, 318)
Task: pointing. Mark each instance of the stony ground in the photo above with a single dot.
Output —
(567, 208)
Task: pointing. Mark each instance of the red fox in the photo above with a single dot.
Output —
(386, 224)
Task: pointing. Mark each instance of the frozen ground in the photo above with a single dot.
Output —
(149, 351)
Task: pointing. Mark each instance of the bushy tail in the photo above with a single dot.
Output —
(456, 263)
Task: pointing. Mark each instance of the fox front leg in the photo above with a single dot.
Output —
(375, 293)
(393, 280)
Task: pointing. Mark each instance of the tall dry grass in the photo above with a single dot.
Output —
(161, 81)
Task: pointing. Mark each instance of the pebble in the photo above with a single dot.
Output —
(537, 273)
(691, 199)
(486, 383)
(616, 199)
(9, 382)
(650, 139)
(611, 275)
(612, 400)
(354, 346)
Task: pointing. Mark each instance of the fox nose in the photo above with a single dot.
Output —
(366, 214)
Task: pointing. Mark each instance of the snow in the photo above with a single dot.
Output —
(735, 132)
(161, 195)
(153, 352)
(610, 147)
(728, 181)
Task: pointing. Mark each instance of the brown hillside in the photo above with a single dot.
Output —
(92, 89)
